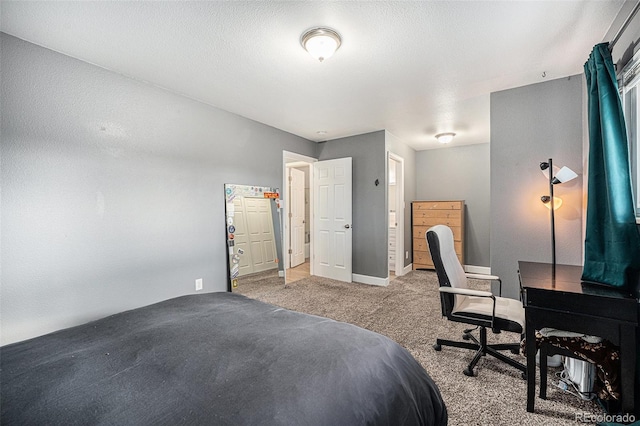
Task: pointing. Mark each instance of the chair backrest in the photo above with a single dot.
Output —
(443, 254)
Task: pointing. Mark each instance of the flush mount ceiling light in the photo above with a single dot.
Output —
(321, 42)
(445, 137)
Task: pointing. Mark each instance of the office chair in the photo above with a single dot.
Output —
(480, 308)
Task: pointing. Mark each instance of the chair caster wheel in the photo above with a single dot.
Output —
(466, 336)
(524, 376)
(437, 347)
(468, 372)
(515, 351)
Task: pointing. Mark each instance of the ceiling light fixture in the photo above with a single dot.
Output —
(321, 42)
(445, 137)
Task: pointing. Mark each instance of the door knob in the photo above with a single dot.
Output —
(347, 226)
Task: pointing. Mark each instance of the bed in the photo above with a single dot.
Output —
(215, 358)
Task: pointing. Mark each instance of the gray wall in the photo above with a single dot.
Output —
(369, 201)
(460, 173)
(398, 147)
(528, 125)
(112, 190)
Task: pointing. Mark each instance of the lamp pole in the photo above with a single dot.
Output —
(564, 175)
(553, 221)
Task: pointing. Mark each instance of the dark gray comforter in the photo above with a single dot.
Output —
(218, 359)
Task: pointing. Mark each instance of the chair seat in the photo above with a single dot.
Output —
(509, 312)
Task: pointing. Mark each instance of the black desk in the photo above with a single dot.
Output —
(567, 303)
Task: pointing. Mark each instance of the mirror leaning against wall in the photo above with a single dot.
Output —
(253, 237)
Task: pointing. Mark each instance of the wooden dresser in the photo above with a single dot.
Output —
(426, 214)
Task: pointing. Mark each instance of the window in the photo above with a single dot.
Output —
(629, 79)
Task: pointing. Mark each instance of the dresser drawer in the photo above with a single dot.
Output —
(422, 258)
(431, 221)
(420, 231)
(437, 205)
(437, 214)
(420, 244)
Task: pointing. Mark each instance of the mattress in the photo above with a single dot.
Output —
(219, 359)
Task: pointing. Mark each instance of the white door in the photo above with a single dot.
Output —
(260, 228)
(332, 236)
(241, 237)
(296, 216)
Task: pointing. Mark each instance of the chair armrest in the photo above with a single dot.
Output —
(482, 276)
(486, 278)
(467, 292)
(470, 292)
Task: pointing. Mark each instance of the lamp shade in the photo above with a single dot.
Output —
(557, 202)
(321, 43)
(564, 175)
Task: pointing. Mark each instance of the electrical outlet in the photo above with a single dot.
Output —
(199, 284)
(406, 254)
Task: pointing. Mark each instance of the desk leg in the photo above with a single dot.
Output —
(543, 371)
(530, 335)
(628, 367)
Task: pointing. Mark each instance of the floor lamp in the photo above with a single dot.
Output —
(564, 175)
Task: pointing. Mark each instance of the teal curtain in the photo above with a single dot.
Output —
(612, 243)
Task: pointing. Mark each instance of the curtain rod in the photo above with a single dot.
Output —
(624, 26)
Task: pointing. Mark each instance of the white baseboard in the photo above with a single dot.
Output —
(366, 279)
(407, 269)
(485, 270)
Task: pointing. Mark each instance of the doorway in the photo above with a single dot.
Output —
(329, 238)
(396, 210)
(298, 201)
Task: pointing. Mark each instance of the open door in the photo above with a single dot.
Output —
(332, 230)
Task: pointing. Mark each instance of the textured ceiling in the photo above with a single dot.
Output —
(413, 68)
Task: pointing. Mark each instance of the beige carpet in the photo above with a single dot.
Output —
(408, 311)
